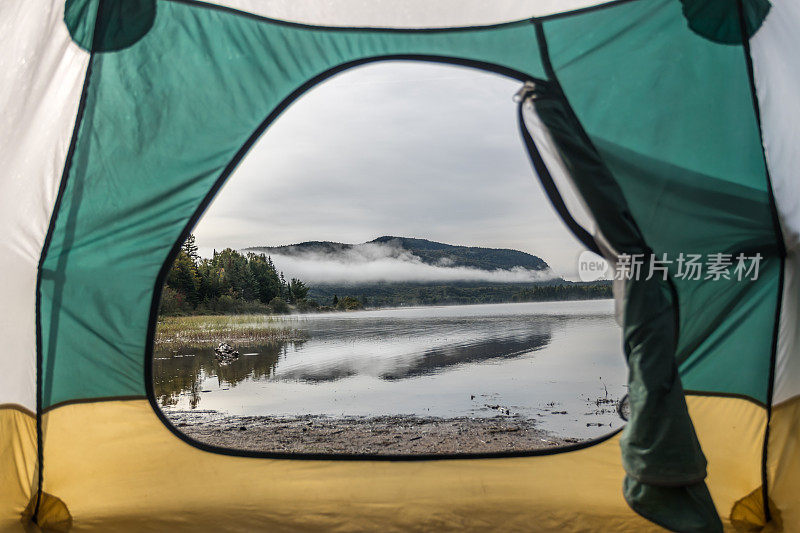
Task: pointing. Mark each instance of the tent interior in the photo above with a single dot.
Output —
(656, 127)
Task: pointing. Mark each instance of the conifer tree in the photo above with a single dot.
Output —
(190, 247)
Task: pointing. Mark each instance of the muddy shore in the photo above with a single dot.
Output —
(365, 435)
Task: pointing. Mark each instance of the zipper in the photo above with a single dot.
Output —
(533, 90)
(528, 88)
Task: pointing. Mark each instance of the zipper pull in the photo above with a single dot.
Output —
(529, 88)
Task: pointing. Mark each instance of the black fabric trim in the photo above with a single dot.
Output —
(733, 395)
(300, 25)
(66, 403)
(322, 27)
(552, 78)
(62, 186)
(544, 52)
(17, 407)
(162, 275)
(220, 450)
(620, 403)
(584, 10)
(549, 186)
(782, 253)
(676, 311)
(304, 26)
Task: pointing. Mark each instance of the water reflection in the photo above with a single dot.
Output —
(177, 374)
(494, 348)
(452, 361)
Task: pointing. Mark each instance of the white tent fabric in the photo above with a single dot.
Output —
(558, 171)
(405, 13)
(777, 75)
(787, 364)
(569, 194)
(43, 73)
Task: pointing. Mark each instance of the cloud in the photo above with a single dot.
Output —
(386, 262)
(393, 148)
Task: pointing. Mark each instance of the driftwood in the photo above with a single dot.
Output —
(225, 353)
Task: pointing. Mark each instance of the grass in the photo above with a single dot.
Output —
(180, 332)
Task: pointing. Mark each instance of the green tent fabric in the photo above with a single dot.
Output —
(121, 206)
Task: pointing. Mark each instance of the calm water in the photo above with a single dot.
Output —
(534, 359)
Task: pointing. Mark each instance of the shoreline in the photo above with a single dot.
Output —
(296, 313)
(205, 331)
(175, 333)
(378, 435)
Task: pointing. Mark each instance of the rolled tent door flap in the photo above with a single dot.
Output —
(661, 454)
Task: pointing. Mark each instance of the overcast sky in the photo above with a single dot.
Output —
(393, 148)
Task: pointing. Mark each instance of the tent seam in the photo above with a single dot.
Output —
(62, 186)
(300, 25)
(782, 256)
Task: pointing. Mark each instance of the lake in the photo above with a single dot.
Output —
(560, 363)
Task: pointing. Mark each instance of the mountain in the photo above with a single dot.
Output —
(428, 252)
(395, 271)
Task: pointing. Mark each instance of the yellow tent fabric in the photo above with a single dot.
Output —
(116, 467)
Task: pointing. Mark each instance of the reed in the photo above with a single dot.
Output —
(178, 332)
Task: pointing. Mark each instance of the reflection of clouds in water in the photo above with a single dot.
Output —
(415, 363)
(387, 345)
(396, 349)
(439, 359)
(420, 361)
(388, 349)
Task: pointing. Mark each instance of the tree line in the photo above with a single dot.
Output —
(460, 293)
(231, 282)
(228, 282)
